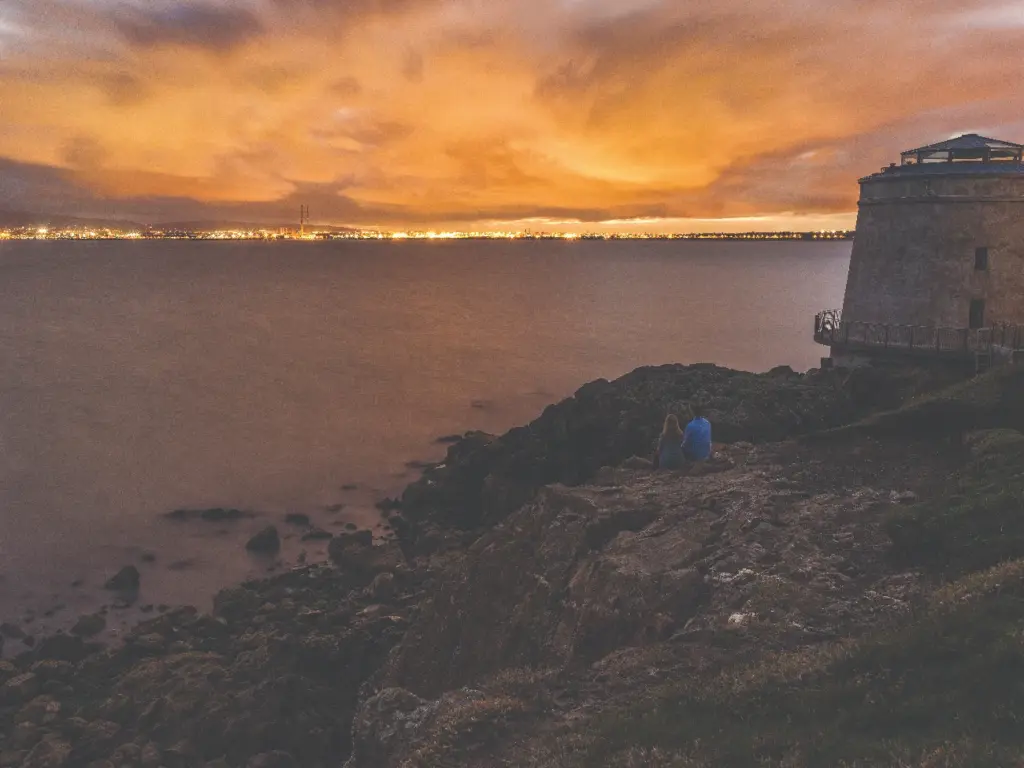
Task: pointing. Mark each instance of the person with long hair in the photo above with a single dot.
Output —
(670, 445)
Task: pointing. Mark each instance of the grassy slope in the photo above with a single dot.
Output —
(943, 688)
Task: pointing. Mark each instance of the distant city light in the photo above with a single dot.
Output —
(79, 233)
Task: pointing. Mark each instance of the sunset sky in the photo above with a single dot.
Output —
(672, 115)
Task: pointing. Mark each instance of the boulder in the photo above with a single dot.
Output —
(317, 534)
(20, 689)
(297, 518)
(42, 710)
(61, 647)
(49, 753)
(89, 625)
(214, 515)
(125, 580)
(267, 541)
(357, 557)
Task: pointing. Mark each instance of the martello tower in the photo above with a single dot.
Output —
(938, 253)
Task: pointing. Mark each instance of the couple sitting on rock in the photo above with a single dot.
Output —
(676, 446)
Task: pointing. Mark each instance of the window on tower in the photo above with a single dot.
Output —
(981, 258)
(977, 313)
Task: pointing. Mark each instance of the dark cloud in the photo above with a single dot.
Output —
(189, 24)
(83, 152)
(33, 187)
(123, 89)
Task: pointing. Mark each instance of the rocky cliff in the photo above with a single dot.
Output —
(841, 583)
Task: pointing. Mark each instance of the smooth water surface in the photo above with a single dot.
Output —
(139, 377)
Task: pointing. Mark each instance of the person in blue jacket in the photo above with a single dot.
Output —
(697, 437)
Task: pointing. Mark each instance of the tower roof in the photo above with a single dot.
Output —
(966, 141)
(969, 148)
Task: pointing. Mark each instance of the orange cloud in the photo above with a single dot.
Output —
(639, 113)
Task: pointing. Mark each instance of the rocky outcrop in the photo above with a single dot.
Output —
(485, 478)
(273, 676)
(641, 557)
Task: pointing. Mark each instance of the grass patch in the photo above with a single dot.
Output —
(980, 522)
(945, 689)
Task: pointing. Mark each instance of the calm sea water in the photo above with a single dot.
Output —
(136, 378)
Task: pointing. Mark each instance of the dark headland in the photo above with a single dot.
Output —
(843, 584)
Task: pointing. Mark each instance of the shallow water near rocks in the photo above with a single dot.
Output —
(139, 378)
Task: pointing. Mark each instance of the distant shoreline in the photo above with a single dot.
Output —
(42, 233)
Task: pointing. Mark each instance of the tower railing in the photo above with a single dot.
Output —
(832, 330)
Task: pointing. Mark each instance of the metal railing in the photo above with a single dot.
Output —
(831, 330)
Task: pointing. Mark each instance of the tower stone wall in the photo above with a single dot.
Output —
(918, 229)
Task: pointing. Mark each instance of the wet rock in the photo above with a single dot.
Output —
(357, 557)
(42, 710)
(150, 757)
(50, 670)
(151, 643)
(383, 587)
(349, 487)
(49, 753)
(125, 580)
(89, 625)
(128, 753)
(24, 736)
(267, 541)
(214, 515)
(96, 737)
(297, 518)
(61, 647)
(317, 534)
(20, 689)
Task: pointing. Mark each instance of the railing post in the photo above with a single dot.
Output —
(911, 337)
(886, 336)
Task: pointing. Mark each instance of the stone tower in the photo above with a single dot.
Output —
(938, 252)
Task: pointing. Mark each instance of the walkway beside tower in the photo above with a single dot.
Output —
(1000, 343)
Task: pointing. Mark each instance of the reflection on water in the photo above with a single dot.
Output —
(136, 378)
